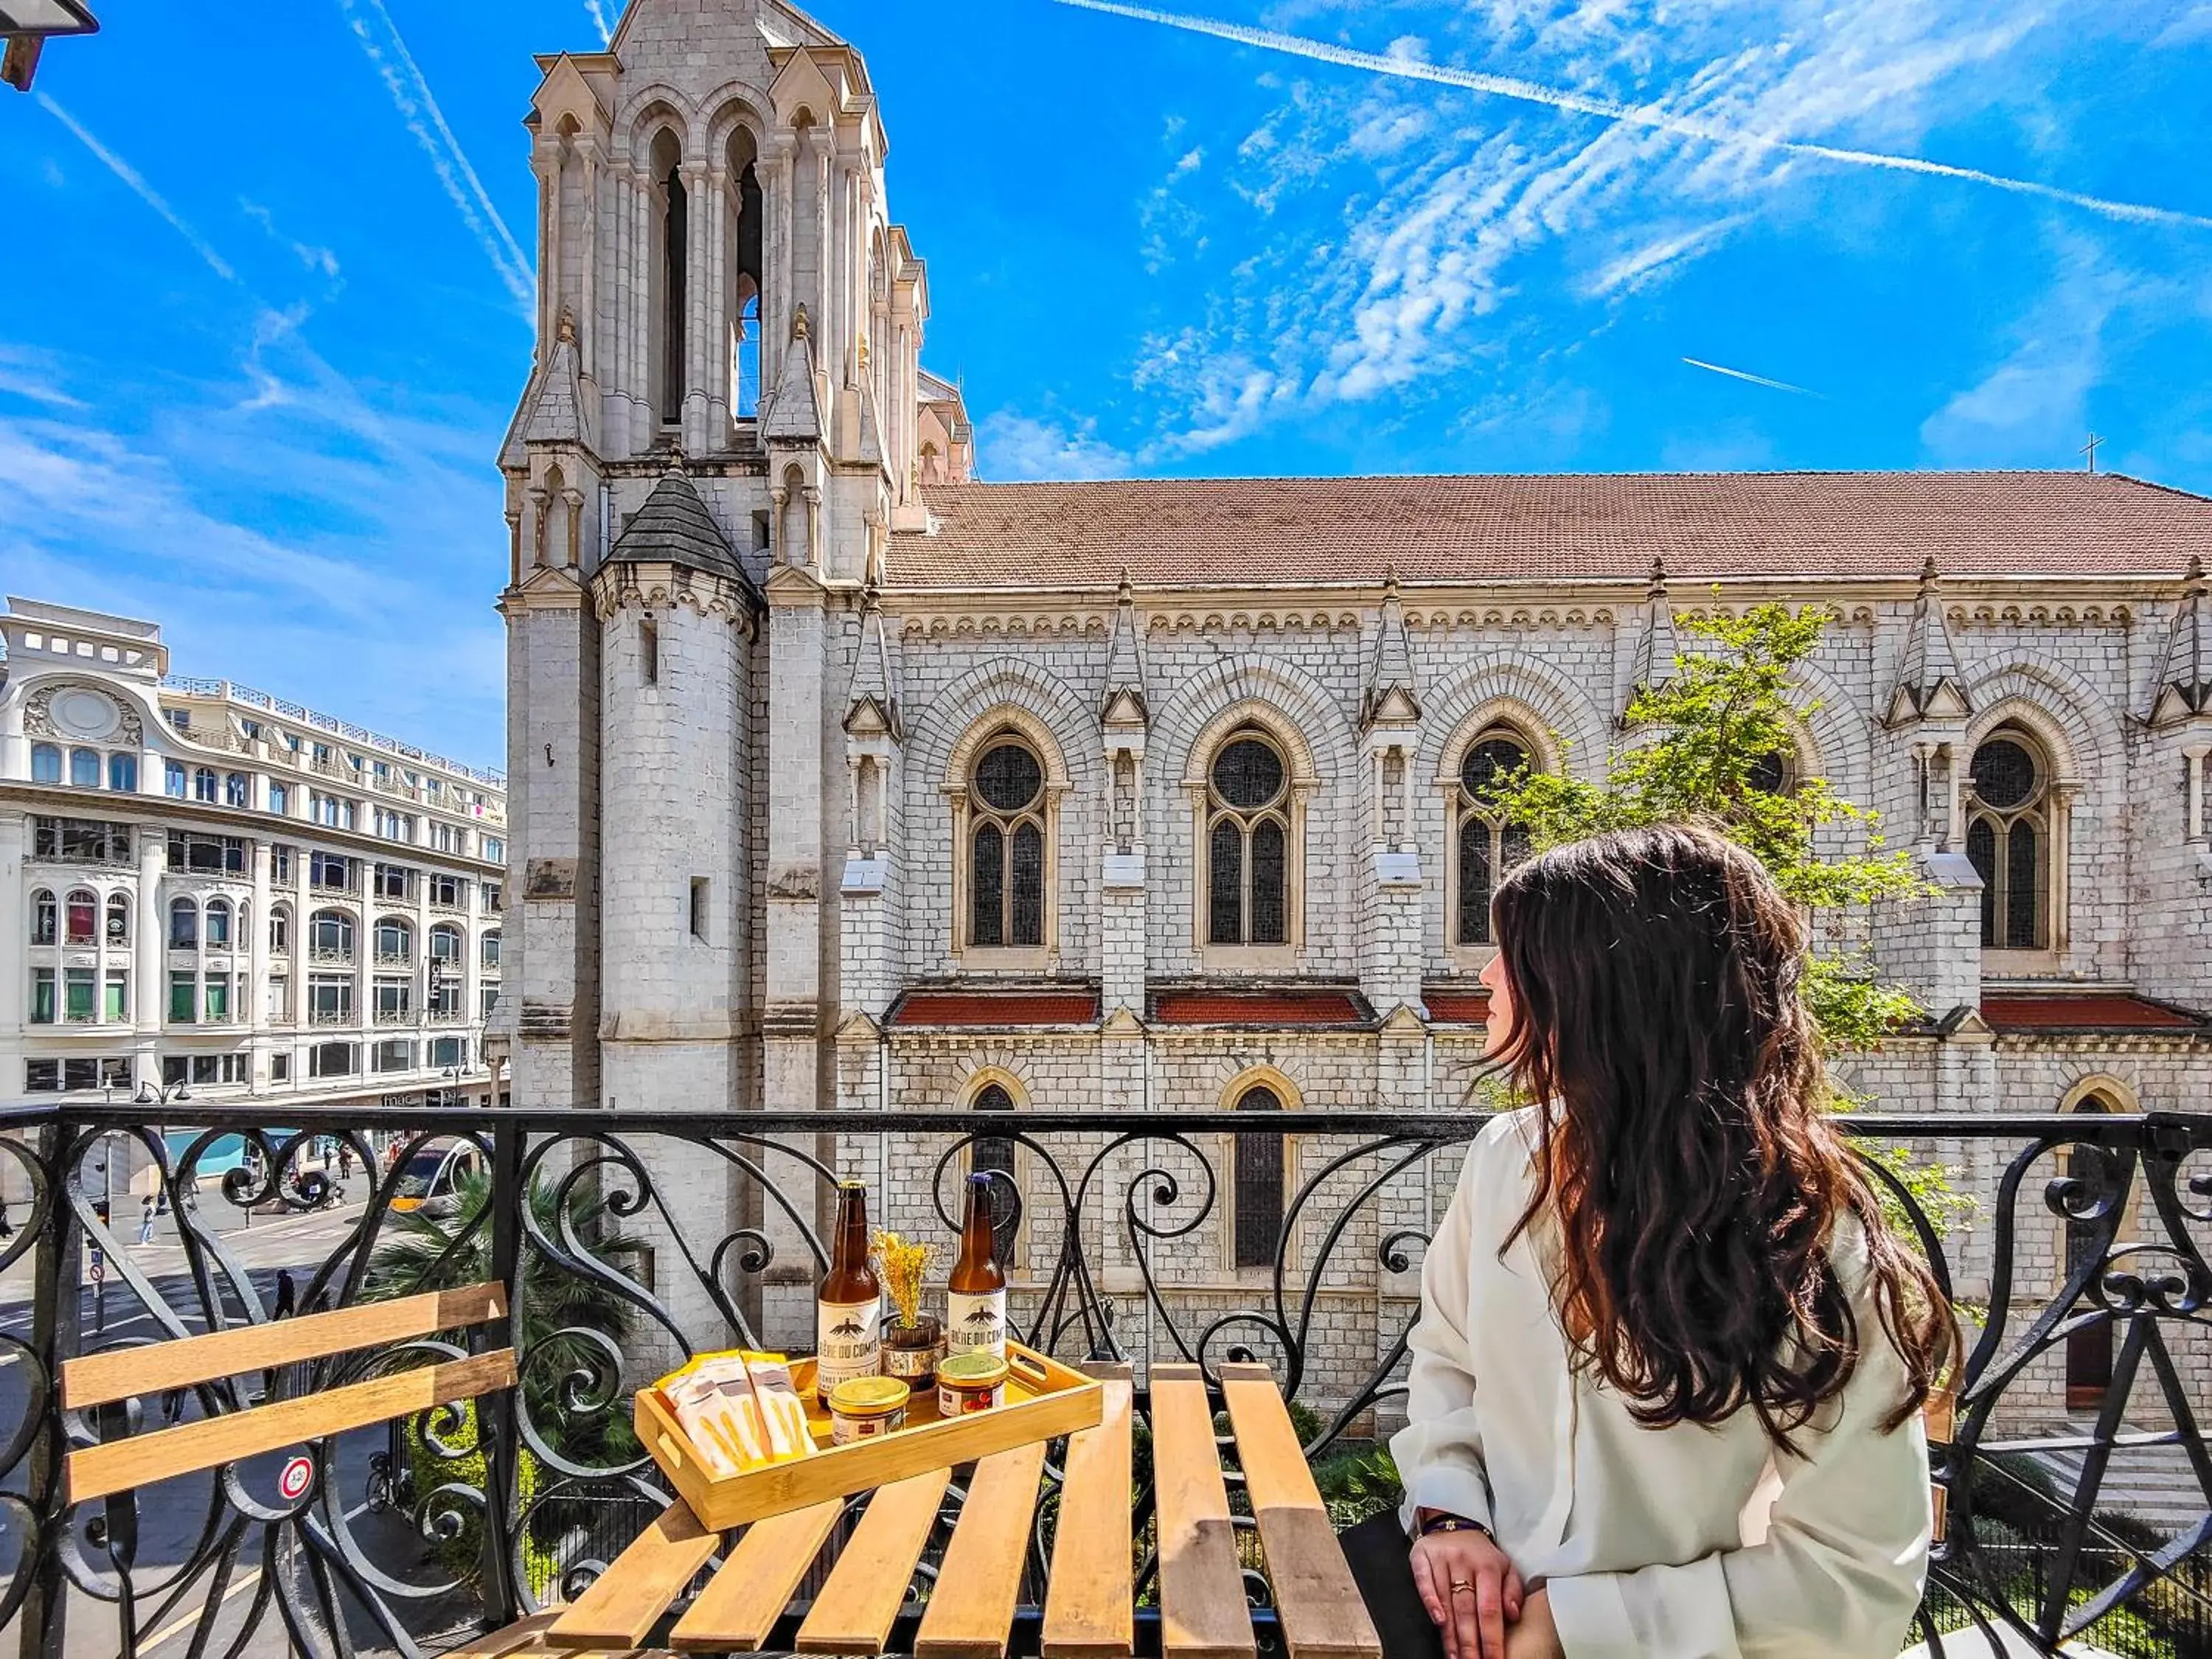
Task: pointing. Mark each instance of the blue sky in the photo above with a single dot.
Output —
(263, 324)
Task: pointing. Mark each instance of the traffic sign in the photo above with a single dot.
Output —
(299, 1473)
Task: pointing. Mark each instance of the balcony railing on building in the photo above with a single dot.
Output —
(2083, 1277)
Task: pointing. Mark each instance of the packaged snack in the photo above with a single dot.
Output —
(739, 1410)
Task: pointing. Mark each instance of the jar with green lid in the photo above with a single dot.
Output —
(971, 1382)
(863, 1407)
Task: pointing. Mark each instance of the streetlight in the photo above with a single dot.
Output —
(25, 24)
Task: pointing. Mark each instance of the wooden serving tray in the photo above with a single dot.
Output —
(1044, 1400)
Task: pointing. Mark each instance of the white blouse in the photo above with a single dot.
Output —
(1653, 1543)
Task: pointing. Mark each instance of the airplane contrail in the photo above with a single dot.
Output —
(136, 182)
(1639, 115)
(1746, 374)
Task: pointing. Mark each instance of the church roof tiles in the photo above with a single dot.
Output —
(1807, 527)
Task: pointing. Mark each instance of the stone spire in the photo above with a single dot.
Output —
(795, 415)
(675, 527)
(1929, 684)
(1391, 697)
(2184, 675)
(554, 408)
(1655, 650)
(871, 706)
(1124, 700)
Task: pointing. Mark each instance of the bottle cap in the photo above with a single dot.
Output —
(869, 1396)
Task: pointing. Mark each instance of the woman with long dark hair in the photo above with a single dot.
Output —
(1666, 1383)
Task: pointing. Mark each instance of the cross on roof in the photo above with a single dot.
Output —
(2090, 450)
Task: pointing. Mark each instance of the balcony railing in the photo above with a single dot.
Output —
(395, 1017)
(329, 1017)
(698, 1230)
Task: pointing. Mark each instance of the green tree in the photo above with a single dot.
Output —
(1702, 747)
(1698, 744)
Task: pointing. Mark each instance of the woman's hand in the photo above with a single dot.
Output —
(1535, 1637)
(1470, 1589)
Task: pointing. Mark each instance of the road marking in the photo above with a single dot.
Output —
(237, 1584)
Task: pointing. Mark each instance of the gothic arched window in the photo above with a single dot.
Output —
(675, 243)
(1005, 845)
(1247, 842)
(1485, 845)
(1257, 1193)
(2008, 838)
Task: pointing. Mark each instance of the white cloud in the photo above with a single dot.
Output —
(1019, 447)
(320, 260)
(1653, 261)
(137, 183)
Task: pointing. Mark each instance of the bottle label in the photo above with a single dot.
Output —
(849, 1341)
(975, 1323)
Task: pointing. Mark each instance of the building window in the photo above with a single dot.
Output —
(495, 850)
(42, 996)
(43, 918)
(218, 999)
(236, 791)
(648, 651)
(123, 773)
(179, 718)
(390, 882)
(280, 931)
(218, 927)
(332, 872)
(673, 262)
(80, 989)
(45, 762)
(1259, 1185)
(445, 944)
(2008, 839)
(173, 780)
(204, 784)
(395, 826)
(84, 768)
(449, 892)
(184, 996)
(1247, 843)
(395, 941)
(994, 1154)
(1005, 848)
(332, 1060)
(279, 1000)
(1486, 846)
(118, 918)
(487, 1000)
(280, 1069)
(280, 864)
(487, 949)
(330, 936)
(329, 1000)
(116, 1006)
(332, 812)
(280, 798)
(492, 901)
(394, 1001)
(183, 925)
(396, 1054)
(82, 917)
(81, 840)
(207, 855)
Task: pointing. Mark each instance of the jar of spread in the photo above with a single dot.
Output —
(972, 1381)
(863, 1407)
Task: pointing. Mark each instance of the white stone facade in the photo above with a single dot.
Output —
(808, 762)
(204, 886)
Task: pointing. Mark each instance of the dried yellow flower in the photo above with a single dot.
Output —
(902, 1266)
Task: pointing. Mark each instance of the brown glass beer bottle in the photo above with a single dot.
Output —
(976, 1294)
(848, 1310)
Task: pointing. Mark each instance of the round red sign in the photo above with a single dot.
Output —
(293, 1482)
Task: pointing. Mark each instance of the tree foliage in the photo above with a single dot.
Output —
(1696, 747)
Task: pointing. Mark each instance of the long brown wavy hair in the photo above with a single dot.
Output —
(1686, 1153)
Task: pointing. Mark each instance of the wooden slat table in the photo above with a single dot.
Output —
(1089, 1603)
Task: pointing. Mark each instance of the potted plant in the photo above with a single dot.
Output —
(915, 1341)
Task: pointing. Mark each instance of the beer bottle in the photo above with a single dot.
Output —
(976, 1294)
(848, 1310)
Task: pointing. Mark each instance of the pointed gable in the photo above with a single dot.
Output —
(1928, 684)
(1391, 696)
(2185, 676)
(553, 409)
(1655, 648)
(871, 704)
(1123, 703)
(795, 414)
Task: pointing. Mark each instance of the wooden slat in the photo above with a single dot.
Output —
(97, 1378)
(970, 1614)
(1203, 1614)
(1090, 1598)
(737, 1610)
(618, 1610)
(854, 1612)
(1318, 1603)
(119, 1465)
(519, 1637)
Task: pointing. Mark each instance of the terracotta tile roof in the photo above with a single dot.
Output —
(1008, 1007)
(2085, 1010)
(1315, 1006)
(1452, 1004)
(1570, 526)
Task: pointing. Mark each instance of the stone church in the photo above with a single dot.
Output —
(840, 778)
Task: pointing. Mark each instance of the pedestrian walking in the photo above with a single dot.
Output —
(7, 1227)
(146, 1221)
(345, 1160)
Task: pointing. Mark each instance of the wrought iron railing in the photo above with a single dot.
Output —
(628, 1239)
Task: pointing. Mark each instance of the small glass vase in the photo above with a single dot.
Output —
(911, 1351)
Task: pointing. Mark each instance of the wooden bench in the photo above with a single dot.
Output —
(102, 1383)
